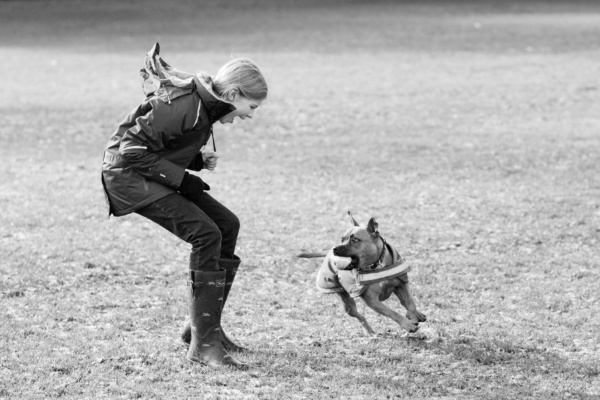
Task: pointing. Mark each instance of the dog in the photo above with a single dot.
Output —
(364, 249)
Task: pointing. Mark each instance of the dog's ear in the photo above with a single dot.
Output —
(352, 219)
(373, 227)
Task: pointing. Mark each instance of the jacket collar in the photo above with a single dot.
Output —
(215, 107)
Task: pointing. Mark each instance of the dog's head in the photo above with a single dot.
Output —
(359, 243)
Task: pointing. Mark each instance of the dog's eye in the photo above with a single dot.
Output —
(354, 240)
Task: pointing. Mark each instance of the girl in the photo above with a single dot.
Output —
(144, 171)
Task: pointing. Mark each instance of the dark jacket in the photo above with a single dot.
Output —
(147, 155)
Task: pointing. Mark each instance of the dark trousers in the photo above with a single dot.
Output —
(210, 227)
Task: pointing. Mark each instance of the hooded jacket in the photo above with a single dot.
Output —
(147, 155)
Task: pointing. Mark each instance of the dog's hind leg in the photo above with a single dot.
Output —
(372, 300)
(405, 297)
(351, 310)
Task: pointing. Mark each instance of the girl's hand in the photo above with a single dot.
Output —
(210, 160)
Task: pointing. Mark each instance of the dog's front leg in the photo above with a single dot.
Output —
(351, 310)
(372, 300)
(405, 297)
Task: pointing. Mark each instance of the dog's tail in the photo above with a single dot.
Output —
(311, 255)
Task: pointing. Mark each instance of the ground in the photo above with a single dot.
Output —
(469, 130)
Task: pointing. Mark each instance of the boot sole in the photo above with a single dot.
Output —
(217, 365)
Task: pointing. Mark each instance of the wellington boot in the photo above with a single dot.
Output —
(230, 267)
(228, 344)
(206, 303)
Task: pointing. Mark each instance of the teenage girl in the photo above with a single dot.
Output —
(144, 171)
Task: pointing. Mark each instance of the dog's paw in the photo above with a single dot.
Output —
(416, 316)
(411, 327)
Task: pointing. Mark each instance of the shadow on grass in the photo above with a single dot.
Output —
(497, 352)
(519, 369)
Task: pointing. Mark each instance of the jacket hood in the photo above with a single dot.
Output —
(215, 107)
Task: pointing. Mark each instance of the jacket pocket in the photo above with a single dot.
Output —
(125, 188)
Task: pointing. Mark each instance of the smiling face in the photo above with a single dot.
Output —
(244, 108)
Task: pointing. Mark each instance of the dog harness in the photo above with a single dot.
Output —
(378, 272)
(333, 280)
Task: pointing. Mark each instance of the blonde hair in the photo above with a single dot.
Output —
(242, 75)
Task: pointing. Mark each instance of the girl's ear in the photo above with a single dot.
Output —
(233, 95)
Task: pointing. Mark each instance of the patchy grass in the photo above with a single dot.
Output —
(469, 131)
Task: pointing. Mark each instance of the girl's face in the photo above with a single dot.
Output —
(244, 108)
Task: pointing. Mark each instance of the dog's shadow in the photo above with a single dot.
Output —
(367, 354)
(489, 351)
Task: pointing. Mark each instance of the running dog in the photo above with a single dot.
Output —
(364, 251)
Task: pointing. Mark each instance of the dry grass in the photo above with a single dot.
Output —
(469, 131)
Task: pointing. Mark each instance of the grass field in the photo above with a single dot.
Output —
(469, 130)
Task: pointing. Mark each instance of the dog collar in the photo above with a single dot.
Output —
(379, 262)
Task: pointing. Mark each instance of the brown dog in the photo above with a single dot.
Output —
(368, 251)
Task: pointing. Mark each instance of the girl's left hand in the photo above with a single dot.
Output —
(210, 160)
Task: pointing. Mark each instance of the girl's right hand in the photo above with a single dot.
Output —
(210, 160)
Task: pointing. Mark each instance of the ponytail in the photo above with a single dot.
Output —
(242, 75)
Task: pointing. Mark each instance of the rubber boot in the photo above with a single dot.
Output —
(230, 267)
(206, 303)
